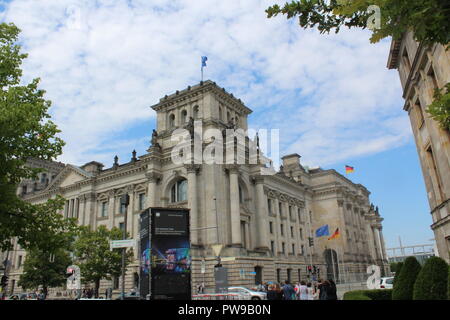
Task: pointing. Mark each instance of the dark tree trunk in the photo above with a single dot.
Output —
(97, 286)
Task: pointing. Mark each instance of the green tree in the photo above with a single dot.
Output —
(431, 283)
(428, 19)
(42, 270)
(25, 132)
(439, 109)
(404, 284)
(95, 258)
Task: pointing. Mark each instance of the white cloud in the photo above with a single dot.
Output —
(103, 63)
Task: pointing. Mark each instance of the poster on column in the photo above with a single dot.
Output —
(170, 255)
(144, 254)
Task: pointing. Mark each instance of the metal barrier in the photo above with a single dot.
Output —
(220, 296)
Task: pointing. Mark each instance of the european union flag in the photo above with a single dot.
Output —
(322, 231)
(204, 59)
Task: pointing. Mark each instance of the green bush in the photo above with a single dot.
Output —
(404, 284)
(356, 295)
(397, 270)
(384, 294)
(448, 283)
(431, 283)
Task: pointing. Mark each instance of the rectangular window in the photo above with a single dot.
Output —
(269, 206)
(283, 249)
(290, 212)
(302, 250)
(104, 209)
(272, 246)
(279, 275)
(141, 201)
(435, 175)
(301, 233)
(121, 226)
(280, 208)
(292, 232)
(122, 208)
(419, 112)
(293, 248)
(282, 229)
(271, 227)
(19, 262)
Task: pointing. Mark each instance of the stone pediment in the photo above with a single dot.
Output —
(68, 176)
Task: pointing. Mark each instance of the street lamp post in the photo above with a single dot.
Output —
(125, 201)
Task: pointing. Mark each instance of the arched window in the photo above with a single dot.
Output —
(43, 178)
(178, 192)
(171, 121)
(196, 112)
(183, 116)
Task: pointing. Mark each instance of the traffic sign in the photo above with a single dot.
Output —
(115, 244)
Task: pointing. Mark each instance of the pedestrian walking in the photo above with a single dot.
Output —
(309, 291)
(288, 291)
(274, 292)
(303, 291)
(331, 290)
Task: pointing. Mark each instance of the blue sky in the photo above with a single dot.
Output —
(104, 62)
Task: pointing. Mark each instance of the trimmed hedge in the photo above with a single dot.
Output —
(383, 294)
(431, 283)
(404, 284)
(398, 268)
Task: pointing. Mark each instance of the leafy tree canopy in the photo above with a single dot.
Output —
(25, 132)
(42, 269)
(428, 19)
(94, 256)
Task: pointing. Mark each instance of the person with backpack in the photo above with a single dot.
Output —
(288, 291)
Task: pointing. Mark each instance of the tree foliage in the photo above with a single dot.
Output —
(428, 19)
(404, 284)
(94, 256)
(25, 132)
(40, 270)
(431, 283)
(439, 109)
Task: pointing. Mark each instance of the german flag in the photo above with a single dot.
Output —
(349, 169)
(335, 235)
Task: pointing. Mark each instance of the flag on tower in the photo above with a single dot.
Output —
(349, 169)
(335, 235)
(204, 59)
(322, 231)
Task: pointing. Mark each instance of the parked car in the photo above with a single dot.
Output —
(386, 283)
(249, 294)
(129, 296)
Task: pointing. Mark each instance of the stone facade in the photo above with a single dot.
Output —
(264, 221)
(422, 69)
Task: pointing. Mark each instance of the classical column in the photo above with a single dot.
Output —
(111, 209)
(261, 215)
(380, 246)
(153, 179)
(192, 201)
(234, 206)
(247, 235)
